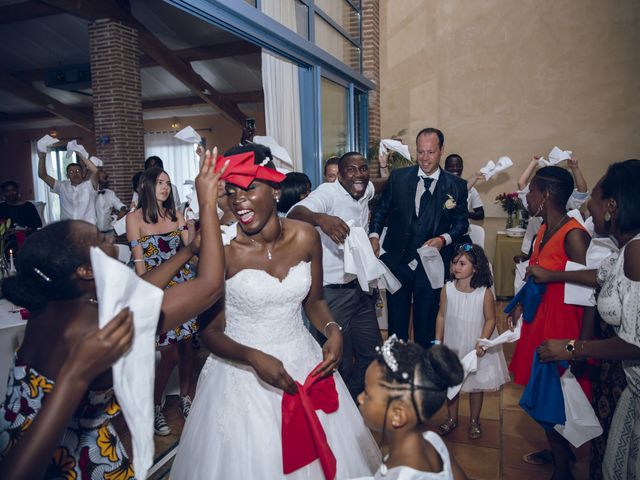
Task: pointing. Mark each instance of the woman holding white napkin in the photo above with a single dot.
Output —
(54, 281)
(615, 207)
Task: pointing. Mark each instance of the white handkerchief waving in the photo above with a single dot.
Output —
(491, 168)
(388, 144)
(433, 265)
(117, 287)
(120, 226)
(74, 146)
(556, 155)
(192, 198)
(189, 135)
(581, 424)
(469, 365)
(45, 142)
(277, 150)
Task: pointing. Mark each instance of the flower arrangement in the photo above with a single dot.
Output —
(509, 202)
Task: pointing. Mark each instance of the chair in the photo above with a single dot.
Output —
(476, 233)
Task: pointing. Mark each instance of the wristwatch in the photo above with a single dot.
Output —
(570, 347)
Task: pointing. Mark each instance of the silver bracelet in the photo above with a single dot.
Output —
(324, 330)
(138, 260)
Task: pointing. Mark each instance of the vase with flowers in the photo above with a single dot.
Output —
(511, 204)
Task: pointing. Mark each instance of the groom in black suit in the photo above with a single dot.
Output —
(421, 205)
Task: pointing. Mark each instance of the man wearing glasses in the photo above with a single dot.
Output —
(421, 205)
(329, 208)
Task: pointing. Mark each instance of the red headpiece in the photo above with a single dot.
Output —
(242, 170)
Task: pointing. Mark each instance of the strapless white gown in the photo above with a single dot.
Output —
(233, 431)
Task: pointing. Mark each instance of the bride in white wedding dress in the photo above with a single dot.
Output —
(260, 347)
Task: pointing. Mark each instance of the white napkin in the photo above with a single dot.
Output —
(117, 286)
(277, 151)
(387, 144)
(360, 260)
(582, 424)
(96, 161)
(120, 226)
(469, 366)
(229, 232)
(192, 198)
(44, 142)
(578, 294)
(433, 265)
(575, 213)
(73, 146)
(505, 337)
(556, 155)
(599, 250)
(189, 135)
(491, 168)
(520, 272)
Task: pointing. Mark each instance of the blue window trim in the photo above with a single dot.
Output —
(245, 21)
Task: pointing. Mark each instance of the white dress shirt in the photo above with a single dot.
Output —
(332, 199)
(76, 202)
(105, 203)
(474, 201)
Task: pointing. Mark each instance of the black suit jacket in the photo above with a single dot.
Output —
(396, 210)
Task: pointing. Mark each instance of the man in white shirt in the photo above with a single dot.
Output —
(454, 164)
(329, 208)
(77, 195)
(107, 204)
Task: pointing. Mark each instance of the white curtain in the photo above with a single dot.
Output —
(281, 93)
(179, 158)
(41, 191)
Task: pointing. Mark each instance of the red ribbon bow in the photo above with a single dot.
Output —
(242, 170)
(303, 438)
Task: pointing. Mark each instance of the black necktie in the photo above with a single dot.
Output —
(426, 196)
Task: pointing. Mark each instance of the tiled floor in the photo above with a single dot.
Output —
(508, 434)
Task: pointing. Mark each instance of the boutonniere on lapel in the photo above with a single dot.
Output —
(449, 203)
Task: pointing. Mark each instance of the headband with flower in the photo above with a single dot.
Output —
(242, 170)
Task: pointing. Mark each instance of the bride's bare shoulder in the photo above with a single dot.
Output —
(300, 231)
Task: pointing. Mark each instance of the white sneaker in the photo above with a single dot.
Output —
(160, 423)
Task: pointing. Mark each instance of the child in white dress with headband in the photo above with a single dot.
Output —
(468, 313)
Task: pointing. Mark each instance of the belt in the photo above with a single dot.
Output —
(338, 286)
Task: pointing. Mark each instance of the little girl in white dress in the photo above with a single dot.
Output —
(468, 313)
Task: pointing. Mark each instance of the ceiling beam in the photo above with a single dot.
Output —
(238, 97)
(28, 92)
(19, 12)
(209, 52)
(155, 49)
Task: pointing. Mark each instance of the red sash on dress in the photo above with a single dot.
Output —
(303, 438)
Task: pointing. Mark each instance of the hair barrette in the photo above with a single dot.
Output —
(265, 161)
(41, 274)
(387, 355)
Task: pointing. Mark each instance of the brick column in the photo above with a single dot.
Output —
(117, 103)
(371, 66)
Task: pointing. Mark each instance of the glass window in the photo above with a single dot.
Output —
(343, 14)
(330, 40)
(293, 14)
(335, 119)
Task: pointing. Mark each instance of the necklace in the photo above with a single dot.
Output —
(269, 255)
(549, 233)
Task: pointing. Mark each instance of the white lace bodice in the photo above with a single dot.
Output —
(260, 309)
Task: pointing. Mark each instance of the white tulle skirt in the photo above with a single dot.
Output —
(234, 428)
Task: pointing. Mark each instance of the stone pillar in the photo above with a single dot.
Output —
(117, 102)
(371, 66)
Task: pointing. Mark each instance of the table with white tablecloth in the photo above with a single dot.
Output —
(11, 333)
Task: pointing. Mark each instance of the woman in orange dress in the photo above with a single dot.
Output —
(560, 239)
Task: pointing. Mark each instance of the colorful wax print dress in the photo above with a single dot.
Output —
(90, 447)
(156, 249)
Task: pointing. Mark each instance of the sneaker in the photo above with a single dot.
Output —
(160, 423)
(185, 406)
